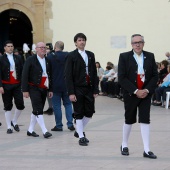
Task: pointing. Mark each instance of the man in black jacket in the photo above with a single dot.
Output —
(82, 85)
(138, 76)
(10, 85)
(36, 80)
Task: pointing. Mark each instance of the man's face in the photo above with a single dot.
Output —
(80, 43)
(41, 49)
(9, 48)
(137, 44)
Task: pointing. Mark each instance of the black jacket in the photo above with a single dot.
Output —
(5, 68)
(32, 73)
(75, 72)
(128, 68)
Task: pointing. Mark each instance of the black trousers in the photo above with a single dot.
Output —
(12, 91)
(133, 104)
(84, 106)
(38, 98)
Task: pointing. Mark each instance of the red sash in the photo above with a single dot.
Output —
(12, 80)
(139, 81)
(88, 79)
(41, 85)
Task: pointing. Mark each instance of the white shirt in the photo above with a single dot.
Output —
(43, 65)
(11, 61)
(85, 58)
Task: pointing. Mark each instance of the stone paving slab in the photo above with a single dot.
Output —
(62, 152)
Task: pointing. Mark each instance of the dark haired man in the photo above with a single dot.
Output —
(138, 76)
(82, 85)
(10, 85)
(36, 81)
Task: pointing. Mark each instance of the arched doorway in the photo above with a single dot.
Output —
(15, 26)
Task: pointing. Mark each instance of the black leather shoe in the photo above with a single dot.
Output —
(71, 128)
(82, 141)
(77, 136)
(125, 151)
(32, 134)
(16, 127)
(56, 129)
(9, 131)
(0, 123)
(149, 155)
(47, 135)
(49, 111)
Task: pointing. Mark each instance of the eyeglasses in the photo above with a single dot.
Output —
(138, 43)
(42, 47)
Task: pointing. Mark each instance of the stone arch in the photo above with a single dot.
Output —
(35, 11)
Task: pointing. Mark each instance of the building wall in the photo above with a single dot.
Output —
(106, 21)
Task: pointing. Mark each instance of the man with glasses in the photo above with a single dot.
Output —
(36, 81)
(137, 75)
(10, 85)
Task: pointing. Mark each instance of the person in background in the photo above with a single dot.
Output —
(10, 85)
(100, 71)
(49, 111)
(36, 81)
(138, 76)
(58, 60)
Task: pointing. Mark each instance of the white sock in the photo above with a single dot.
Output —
(79, 127)
(145, 132)
(16, 116)
(126, 132)
(40, 120)
(85, 121)
(8, 119)
(32, 123)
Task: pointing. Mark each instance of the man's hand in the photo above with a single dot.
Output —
(72, 98)
(95, 95)
(50, 94)
(142, 93)
(26, 94)
(1, 90)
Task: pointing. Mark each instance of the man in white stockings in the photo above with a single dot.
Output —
(82, 85)
(10, 85)
(36, 81)
(137, 75)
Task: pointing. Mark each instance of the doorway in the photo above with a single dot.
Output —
(15, 26)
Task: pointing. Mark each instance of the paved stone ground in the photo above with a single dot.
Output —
(62, 152)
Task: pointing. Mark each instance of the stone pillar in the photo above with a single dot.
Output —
(38, 34)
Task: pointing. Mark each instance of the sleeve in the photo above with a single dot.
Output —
(68, 74)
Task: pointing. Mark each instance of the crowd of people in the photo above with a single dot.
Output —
(74, 78)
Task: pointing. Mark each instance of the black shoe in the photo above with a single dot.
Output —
(47, 135)
(9, 131)
(0, 123)
(32, 134)
(77, 136)
(16, 127)
(56, 129)
(125, 151)
(149, 155)
(82, 141)
(71, 128)
(49, 111)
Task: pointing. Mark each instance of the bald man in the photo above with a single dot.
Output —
(36, 81)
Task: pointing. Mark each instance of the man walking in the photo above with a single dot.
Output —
(59, 88)
(36, 80)
(82, 85)
(10, 85)
(137, 75)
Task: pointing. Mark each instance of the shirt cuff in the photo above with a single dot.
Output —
(135, 91)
